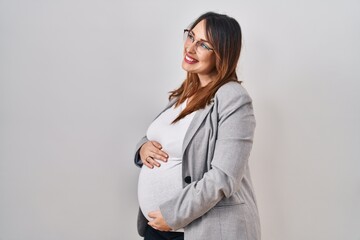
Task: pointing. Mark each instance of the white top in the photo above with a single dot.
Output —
(160, 183)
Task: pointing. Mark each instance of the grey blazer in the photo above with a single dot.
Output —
(217, 201)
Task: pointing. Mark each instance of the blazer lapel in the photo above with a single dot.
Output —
(195, 124)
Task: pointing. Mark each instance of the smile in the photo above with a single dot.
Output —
(190, 60)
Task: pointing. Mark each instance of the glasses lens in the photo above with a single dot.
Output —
(203, 47)
(200, 46)
(186, 33)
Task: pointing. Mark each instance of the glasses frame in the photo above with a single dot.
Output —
(198, 42)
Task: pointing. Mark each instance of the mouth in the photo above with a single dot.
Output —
(190, 60)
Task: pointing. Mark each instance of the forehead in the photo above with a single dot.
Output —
(200, 30)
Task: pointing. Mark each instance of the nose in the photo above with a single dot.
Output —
(191, 47)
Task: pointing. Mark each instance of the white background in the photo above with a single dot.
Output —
(80, 81)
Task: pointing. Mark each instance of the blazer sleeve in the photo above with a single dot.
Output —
(236, 125)
(137, 159)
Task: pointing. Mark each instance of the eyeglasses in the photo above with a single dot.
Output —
(201, 46)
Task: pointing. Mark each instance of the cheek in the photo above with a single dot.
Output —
(210, 64)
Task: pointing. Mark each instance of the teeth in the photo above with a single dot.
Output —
(189, 59)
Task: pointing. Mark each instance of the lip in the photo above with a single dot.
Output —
(190, 60)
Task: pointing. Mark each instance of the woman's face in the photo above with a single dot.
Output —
(197, 60)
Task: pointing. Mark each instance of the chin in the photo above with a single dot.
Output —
(188, 67)
(185, 67)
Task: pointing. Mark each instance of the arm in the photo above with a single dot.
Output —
(137, 159)
(233, 145)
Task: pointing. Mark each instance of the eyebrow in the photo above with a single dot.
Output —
(200, 38)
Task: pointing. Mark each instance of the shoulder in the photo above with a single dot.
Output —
(232, 95)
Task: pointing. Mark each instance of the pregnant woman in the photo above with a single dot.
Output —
(195, 180)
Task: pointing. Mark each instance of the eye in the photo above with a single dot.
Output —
(191, 37)
(204, 46)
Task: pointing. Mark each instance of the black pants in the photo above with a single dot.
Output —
(153, 234)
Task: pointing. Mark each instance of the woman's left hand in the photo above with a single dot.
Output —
(158, 221)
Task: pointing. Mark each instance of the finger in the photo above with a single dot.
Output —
(152, 215)
(152, 225)
(160, 155)
(156, 144)
(150, 162)
(153, 162)
(146, 163)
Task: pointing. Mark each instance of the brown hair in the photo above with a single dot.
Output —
(224, 33)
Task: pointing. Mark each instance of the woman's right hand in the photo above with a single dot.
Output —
(150, 151)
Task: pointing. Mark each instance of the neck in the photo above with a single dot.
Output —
(206, 79)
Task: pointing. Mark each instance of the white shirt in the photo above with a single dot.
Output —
(160, 183)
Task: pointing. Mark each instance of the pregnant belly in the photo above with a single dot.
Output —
(159, 184)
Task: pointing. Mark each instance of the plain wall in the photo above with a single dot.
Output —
(80, 81)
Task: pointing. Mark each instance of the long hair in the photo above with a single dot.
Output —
(224, 33)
